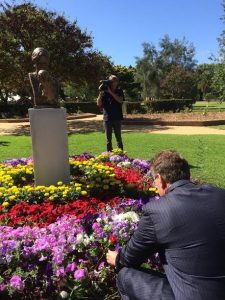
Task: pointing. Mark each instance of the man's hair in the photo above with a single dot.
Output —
(111, 77)
(171, 166)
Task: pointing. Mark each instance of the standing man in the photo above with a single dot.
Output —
(186, 226)
(110, 99)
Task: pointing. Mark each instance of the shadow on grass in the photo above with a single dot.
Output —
(3, 143)
(18, 130)
(89, 126)
(194, 167)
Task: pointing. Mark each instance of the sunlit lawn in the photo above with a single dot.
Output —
(205, 153)
(209, 106)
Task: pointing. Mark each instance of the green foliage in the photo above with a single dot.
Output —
(149, 71)
(179, 83)
(219, 81)
(177, 53)
(25, 27)
(127, 82)
(221, 39)
(204, 79)
(156, 64)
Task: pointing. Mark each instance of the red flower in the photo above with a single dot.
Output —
(112, 239)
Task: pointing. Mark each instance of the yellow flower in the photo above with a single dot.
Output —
(51, 198)
(59, 183)
(152, 189)
(83, 193)
(78, 189)
(5, 204)
(11, 198)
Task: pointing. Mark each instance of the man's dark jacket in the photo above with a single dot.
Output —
(187, 228)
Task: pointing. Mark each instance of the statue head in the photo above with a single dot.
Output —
(40, 58)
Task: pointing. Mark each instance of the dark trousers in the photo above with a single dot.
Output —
(140, 284)
(116, 127)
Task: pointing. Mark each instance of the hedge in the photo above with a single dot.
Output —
(173, 105)
(17, 109)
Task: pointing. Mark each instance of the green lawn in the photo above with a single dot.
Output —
(222, 127)
(204, 153)
(209, 106)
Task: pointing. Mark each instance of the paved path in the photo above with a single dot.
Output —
(95, 124)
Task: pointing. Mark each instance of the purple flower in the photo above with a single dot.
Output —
(101, 265)
(71, 267)
(17, 282)
(141, 164)
(2, 287)
(79, 274)
(60, 272)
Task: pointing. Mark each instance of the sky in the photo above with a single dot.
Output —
(119, 27)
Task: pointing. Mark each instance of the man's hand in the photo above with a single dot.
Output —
(111, 257)
(109, 90)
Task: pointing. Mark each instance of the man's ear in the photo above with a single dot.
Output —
(162, 182)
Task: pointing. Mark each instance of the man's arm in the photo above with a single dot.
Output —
(99, 99)
(142, 245)
(118, 98)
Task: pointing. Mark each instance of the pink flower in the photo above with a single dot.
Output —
(71, 267)
(79, 274)
(17, 283)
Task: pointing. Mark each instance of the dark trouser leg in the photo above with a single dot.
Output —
(117, 131)
(139, 284)
(108, 131)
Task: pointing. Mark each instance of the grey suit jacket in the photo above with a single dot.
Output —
(187, 228)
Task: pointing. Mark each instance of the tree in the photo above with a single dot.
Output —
(127, 82)
(149, 71)
(204, 79)
(176, 53)
(25, 27)
(219, 75)
(221, 39)
(154, 66)
(179, 84)
(219, 81)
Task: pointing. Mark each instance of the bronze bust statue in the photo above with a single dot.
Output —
(45, 87)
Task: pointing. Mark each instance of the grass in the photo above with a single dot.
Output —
(209, 106)
(222, 127)
(205, 153)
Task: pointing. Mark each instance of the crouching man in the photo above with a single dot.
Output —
(186, 226)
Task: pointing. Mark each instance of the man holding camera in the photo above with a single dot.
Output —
(110, 99)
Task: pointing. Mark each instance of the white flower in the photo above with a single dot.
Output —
(125, 164)
(63, 294)
(86, 241)
(128, 216)
(80, 238)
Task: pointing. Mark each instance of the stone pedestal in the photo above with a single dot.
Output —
(50, 145)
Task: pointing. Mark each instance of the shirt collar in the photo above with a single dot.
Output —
(178, 184)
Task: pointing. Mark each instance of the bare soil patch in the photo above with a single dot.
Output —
(189, 116)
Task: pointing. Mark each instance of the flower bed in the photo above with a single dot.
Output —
(53, 240)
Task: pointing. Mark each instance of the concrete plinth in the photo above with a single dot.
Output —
(50, 145)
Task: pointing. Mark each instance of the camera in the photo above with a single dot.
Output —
(104, 84)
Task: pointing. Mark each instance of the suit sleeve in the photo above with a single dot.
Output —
(142, 245)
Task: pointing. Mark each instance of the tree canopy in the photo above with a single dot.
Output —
(156, 64)
(25, 27)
